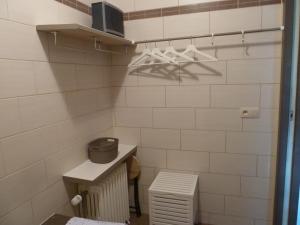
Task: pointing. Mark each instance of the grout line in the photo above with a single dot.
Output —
(257, 162)
(215, 6)
(53, 124)
(226, 140)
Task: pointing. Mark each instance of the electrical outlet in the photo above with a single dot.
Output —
(249, 112)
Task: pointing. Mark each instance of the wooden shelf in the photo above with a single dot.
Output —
(84, 32)
(89, 172)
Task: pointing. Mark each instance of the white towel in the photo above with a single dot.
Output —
(81, 221)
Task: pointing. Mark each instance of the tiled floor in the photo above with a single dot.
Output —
(143, 220)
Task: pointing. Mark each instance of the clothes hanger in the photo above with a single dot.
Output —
(170, 50)
(147, 53)
(192, 48)
(158, 52)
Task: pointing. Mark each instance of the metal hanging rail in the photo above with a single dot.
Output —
(242, 32)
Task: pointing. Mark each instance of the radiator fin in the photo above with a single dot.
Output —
(107, 200)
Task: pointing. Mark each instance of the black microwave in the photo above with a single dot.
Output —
(108, 18)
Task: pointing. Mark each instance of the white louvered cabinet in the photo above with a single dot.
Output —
(173, 199)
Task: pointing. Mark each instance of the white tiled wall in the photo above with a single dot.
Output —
(187, 118)
(52, 102)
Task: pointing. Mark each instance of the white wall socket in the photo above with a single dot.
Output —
(249, 112)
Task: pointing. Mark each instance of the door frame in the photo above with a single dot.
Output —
(289, 117)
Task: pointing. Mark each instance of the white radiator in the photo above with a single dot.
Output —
(173, 199)
(108, 199)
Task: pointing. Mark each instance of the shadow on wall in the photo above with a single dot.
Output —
(78, 74)
(74, 97)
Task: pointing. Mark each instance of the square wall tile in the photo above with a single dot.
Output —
(39, 110)
(272, 15)
(226, 47)
(267, 122)
(270, 95)
(160, 138)
(96, 57)
(207, 141)
(9, 117)
(21, 215)
(157, 76)
(33, 12)
(2, 170)
(235, 96)
(119, 96)
(228, 220)
(132, 53)
(263, 222)
(188, 160)
(145, 5)
(145, 96)
(249, 143)
(67, 14)
(47, 202)
(127, 135)
(234, 164)
(265, 165)
(247, 207)
(219, 184)
(36, 43)
(145, 29)
(54, 77)
(150, 157)
(218, 119)
(123, 76)
(256, 187)
(133, 117)
(264, 45)
(16, 78)
(187, 96)
(147, 176)
(29, 147)
(60, 162)
(236, 19)
(254, 71)
(105, 75)
(174, 118)
(125, 6)
(59, 54)
(212, 203)
(176, 26)
(3, 9)
(21, 186)
(88, 76)
(188, 2)
(203, 217)
(203, 73)
(87, 2)
(82, 102)
(104, 98)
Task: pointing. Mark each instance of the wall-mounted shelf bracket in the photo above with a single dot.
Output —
(97, 46)
(55, 37)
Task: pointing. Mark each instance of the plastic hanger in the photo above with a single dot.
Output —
(147, 53)
(170, 50)
(192, 48)
(157, 52)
